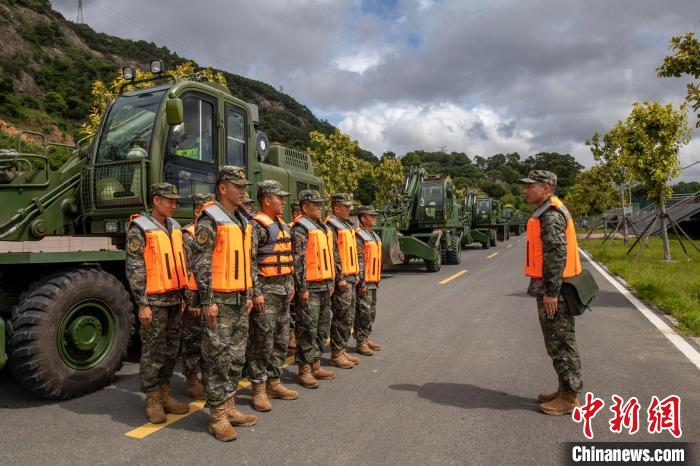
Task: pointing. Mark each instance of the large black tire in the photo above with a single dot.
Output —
(492, 239)
(454, 254)
(433, 266)
(485, 245)
(35, 360)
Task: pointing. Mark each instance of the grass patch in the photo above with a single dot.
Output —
(674, 287)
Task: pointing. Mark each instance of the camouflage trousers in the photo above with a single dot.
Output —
(312, 326)
(268, 338)
(560, 340)
(223, 352)
(365, 314)
(292, 315)
(343, 307)
(160, 343)
(191, 350)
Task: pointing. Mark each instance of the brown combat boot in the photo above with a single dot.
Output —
(259, 400)
(338, 359)
(219, 426)
(546, 397)
(563, 404)
(154, 407)
(292, 345)
(306, 377)
(320, 373)
(353, 359)
(237, 418)
(194, 386)
(374, 346)
(170, 404)
(275, 389)
(363, 348)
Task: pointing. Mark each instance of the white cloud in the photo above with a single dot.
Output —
(358, 62)
(404, 127)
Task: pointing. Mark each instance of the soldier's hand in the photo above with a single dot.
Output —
(259, 303)
(342, 284)
(362, 291)
(249, 303)
(550, 305)
(211, 312)
(303, 297)
(145, 315)
(194, 311)
(332, 290)
(291, 294)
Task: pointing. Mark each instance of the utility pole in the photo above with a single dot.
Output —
(80, 19)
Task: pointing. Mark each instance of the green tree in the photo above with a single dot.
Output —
(685, 61)
(592, 193)
(649, 140)
(564, 165)
(54, 104)
(335, 161)
(388, 178)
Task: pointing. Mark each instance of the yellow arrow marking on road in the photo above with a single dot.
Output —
(148, 429)
(452, 277)
(509, 246)
(492, 255)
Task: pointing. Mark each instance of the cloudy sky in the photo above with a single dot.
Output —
(475, 76)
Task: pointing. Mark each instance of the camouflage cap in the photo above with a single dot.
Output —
(540, 176)
(234, 174)
(366, 210)
(295, 206)
(200, 199)
(271, 187)
(247, 199)
(342, 198)
(165, 190)
(309, 195)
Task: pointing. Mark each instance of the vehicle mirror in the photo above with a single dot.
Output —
(174, 111)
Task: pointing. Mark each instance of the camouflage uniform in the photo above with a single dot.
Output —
(292, 304)
(191, 351)
(268, 335)
(161, 339)
(342, 302)
(224, 345)
(560, 332)
(367, 304)
(313, 319)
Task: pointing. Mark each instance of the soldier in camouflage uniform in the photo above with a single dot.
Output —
(248, 207)
(346, 270)
(313, 304)
(226, 298)
(191, 320)
(272, 290)
(159, 299)
(292, 346)
(551, 219)
(366, 290)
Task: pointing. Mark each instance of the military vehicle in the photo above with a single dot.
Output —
(63, 296)
(514, 219)
(428, 223)
(503, 227)
(485, 222)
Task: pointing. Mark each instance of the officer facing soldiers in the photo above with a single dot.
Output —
(346, 270)
(221, 258)
(314, 272)
(272, 263)
(191, 320)
(369, 252)
(292, 345)
(551, 255)
(157, 274)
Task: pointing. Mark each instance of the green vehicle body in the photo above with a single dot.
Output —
(485, 221)
(514, 219)
(59, 225)
(428, 223)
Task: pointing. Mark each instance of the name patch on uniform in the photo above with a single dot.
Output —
(134, 245)
(202, 237)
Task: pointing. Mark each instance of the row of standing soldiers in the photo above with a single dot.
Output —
(221, 288)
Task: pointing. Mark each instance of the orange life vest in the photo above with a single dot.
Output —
(231, 258)
(191, 282)
(373, 255)
(165, 261)
(320, 265)
(347, 247)
(533, 254)
(275, 257)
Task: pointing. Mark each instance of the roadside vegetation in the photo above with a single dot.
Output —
(672, 286)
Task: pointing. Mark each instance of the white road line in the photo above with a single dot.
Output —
(665, 329)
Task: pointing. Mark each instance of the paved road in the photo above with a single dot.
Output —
(455, 383)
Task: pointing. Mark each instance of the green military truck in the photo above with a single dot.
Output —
(484, 223)
(64, 304)
(502, 223)
(514, 219)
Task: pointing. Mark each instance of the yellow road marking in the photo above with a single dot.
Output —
(458, 274)
(509, 246)
(492, 255)
(148, 428)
